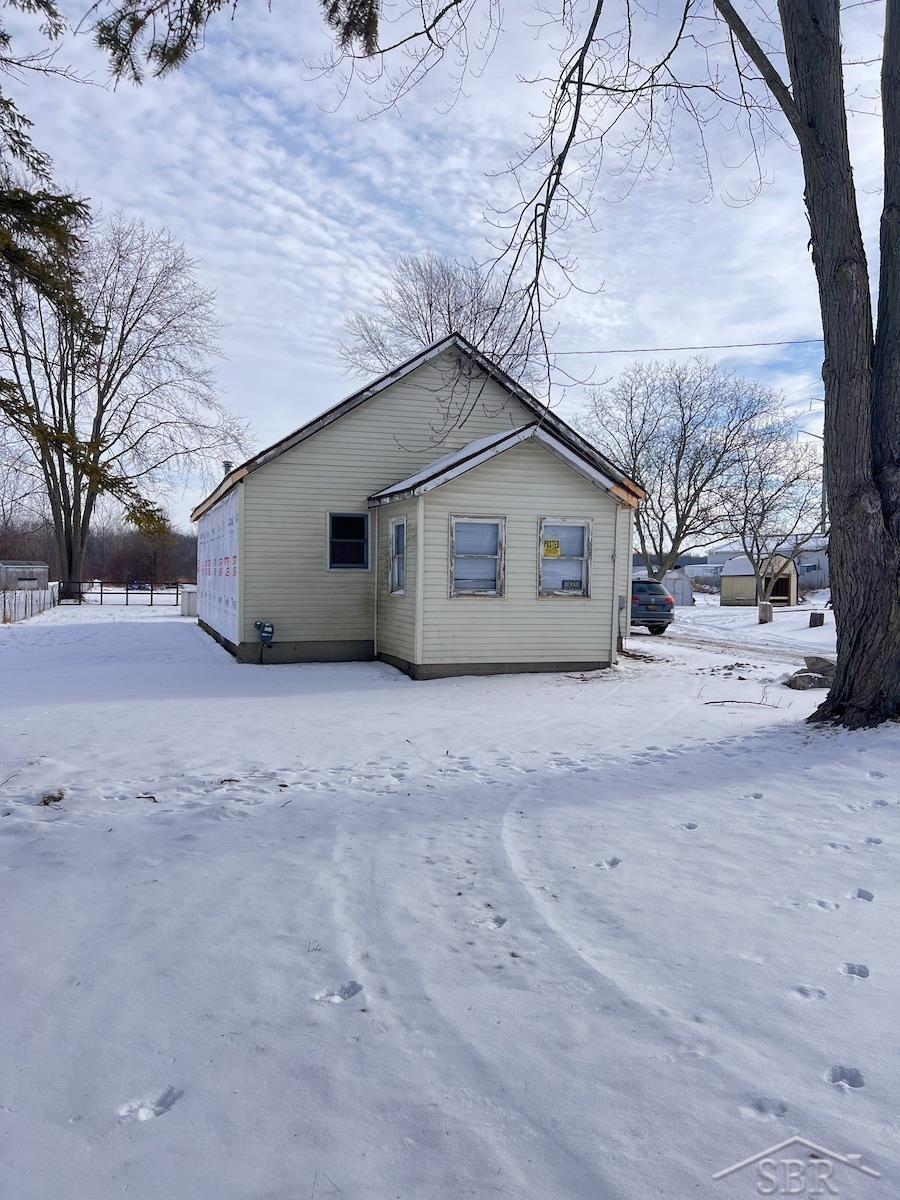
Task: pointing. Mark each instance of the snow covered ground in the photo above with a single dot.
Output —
(786, 639)
(315, 931)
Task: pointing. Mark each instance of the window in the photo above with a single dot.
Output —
(348, 541)
(648, 587)
(476, 556)
(397, 531)
(565, 552)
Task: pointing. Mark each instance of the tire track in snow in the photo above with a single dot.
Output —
(463, 1076)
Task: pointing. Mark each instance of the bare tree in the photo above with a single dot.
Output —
(773, 502)
(427, 298)
(680, 430)
(117, 399)
(20, 495)
(628, 78)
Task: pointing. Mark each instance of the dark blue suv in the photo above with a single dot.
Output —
(651, 605)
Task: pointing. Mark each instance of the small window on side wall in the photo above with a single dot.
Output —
(397, 576)
(564, 557)
(477, 547)
(348, 541)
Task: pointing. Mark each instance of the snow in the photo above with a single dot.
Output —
(787, 638)
(314, 931)
(740, 565)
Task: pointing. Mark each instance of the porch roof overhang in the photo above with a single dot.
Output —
(452, 466)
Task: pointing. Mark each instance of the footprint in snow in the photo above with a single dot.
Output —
(495, 922)
(828, 905)
(154, 1105)
(845, 1077)
(809, 993)
(876, 774)
(872, 841)
(861, 894)
(855, 970)
(763, 1109)
(689, 825)
(608, 864)
(338, 995)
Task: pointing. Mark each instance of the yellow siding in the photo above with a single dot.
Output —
(285, 570)
(397, 614)
(737, 589)
(624, 551)
(523, 484)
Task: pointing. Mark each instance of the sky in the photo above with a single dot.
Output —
(296, 206)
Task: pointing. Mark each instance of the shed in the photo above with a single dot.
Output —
(677, 583)
(737, 584)
(23, 576)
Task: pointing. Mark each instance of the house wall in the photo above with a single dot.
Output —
(319, 613)
(812, 569)
(397, 614)
(219, 567)
(623, 572)
(523, 485)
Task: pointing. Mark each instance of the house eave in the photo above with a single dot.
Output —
(452, 341)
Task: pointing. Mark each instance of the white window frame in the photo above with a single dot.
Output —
(393, 557)
(339, 568)
(500, 522)
(559, 593)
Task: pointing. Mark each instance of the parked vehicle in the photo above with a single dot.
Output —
(651, 605)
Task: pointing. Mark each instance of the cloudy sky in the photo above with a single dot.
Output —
(295, 208)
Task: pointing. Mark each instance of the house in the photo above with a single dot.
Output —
(737, 583)
(441, 519)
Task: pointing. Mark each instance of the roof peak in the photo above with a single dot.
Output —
(451, 340)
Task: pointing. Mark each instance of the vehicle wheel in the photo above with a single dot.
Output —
(656, 630)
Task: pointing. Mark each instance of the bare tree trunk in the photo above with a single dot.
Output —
(865, 521)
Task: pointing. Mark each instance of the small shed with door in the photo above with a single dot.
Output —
(737, 583)
(24, 576)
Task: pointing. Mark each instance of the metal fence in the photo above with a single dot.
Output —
(19, 605)
(101, 591)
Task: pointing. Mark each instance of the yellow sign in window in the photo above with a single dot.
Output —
(551, 547)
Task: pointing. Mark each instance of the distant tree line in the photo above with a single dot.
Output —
(115, 552)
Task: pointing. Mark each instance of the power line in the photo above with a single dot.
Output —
(717, 346)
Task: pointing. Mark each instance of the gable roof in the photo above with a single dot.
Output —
(451, 466)
(741, 565)
(453, 341)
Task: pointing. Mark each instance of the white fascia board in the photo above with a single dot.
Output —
(555, 447)
(575, 461)
(452, 472)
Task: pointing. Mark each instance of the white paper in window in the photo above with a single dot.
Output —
(562, 575)
(475, 574)
(570, 538)
(476, 537)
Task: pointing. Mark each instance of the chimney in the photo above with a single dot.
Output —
(227, 467)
